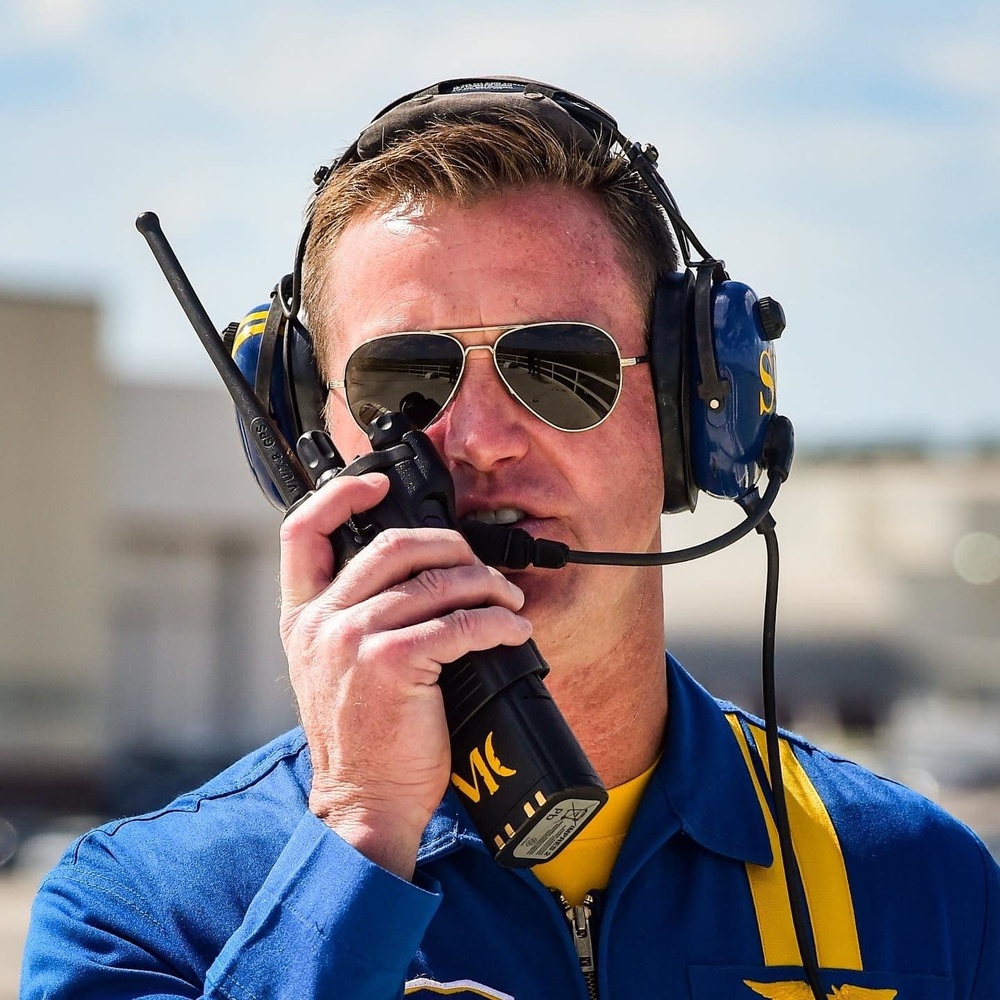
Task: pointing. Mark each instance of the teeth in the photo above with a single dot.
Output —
(502, 515)
(508, 515)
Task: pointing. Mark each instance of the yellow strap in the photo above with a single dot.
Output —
(767, 885)
(820, 862)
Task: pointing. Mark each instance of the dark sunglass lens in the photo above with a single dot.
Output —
(412, 373)
(567, 373)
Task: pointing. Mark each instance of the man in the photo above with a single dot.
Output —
(335, 862)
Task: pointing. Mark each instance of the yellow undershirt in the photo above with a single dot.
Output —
(587, 861)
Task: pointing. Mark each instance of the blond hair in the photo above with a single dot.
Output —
(467, 161)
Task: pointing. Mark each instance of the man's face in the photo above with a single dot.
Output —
(544, 253)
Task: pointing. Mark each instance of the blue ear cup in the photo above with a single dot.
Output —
(278, 362)
(727, 443)
(714, 380)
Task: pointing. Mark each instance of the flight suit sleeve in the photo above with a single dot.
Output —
(325, 922)
(987, 982)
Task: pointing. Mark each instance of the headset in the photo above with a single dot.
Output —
(710, 338)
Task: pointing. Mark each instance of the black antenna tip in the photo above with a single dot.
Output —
(148, 222)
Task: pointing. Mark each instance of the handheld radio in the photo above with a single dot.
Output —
(528, 787)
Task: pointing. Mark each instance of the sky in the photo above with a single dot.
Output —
(842, 157)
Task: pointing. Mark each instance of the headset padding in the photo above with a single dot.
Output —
(269, 342)
(668, 347)
(306, 392)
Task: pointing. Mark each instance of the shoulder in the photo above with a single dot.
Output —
(894, 842)
(236, 870)
(243, 802)
(886, 861)
(864, 807)
(215, 844)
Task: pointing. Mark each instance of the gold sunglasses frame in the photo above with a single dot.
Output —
(501, 331)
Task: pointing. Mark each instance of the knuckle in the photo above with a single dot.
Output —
(463, 621)
(375, 647)
(341, 630)
(390, 543)
(349, 630)
(434, 582)
(291, 527)
(314, 629)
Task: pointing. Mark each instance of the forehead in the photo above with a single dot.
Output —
(542, 253)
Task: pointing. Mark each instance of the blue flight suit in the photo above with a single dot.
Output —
(237, 891)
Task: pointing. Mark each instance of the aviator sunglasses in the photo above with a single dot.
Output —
(569, 375)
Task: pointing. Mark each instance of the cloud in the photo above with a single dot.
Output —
(962, 56)
(308, 61)
(44, 22)
(842, 165)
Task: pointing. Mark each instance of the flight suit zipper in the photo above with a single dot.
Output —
(583, 940)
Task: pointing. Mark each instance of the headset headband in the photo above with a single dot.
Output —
(452, 100)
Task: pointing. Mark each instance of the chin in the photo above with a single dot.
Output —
(551, 603)
(540, 586)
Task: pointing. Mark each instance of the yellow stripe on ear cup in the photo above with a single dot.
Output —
(820, 861)
(251, 325)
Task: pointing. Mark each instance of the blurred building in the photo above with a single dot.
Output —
(890, 562)
(54, 629)
(198, 674)
(139, 647)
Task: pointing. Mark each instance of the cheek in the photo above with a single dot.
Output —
(638, 443)
(618, 476)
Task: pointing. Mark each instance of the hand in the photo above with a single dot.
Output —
(365, 650)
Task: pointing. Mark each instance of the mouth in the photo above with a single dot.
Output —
(491, 533)
(498, 515)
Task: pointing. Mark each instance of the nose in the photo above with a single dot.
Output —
(483, 426)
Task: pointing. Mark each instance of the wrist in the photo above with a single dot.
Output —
(384, 836)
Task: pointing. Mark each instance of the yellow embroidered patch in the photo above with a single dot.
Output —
(794, 989)
(458, 989)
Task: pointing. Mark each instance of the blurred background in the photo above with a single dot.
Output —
(842, 157)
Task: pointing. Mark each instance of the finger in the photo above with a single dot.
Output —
(394, 556)
(428, 645)
(306, 552)
(435, 592)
